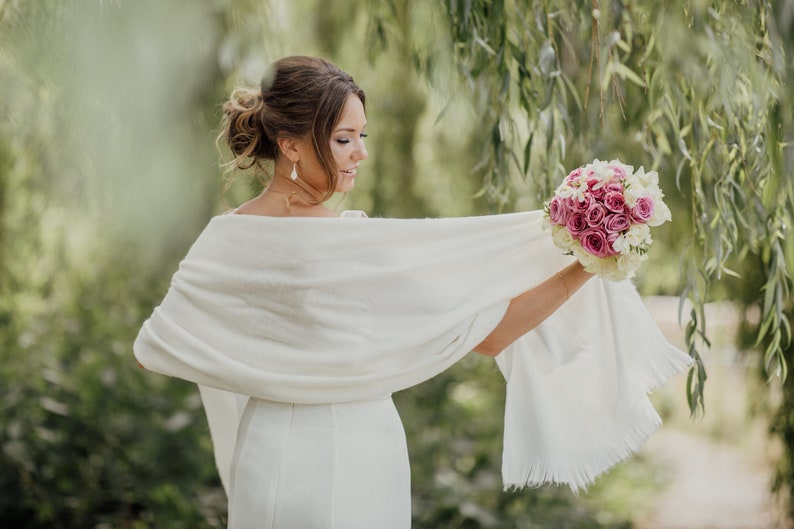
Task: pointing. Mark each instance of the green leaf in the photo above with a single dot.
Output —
(626, 73)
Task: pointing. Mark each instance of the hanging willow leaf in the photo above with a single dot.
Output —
(720, 103)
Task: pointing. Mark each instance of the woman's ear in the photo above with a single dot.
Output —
(289, 148)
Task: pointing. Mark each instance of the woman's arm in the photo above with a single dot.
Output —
(526, 311)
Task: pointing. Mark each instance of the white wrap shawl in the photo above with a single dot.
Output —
(321, 310)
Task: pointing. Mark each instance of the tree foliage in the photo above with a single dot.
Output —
(698, 91)
(86, 438)
(108, 170)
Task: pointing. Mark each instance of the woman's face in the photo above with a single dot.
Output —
(347, 148)
(347, 143)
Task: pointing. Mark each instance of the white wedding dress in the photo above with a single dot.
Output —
(305, 466)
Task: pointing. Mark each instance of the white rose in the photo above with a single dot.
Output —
(661, 214)
(608, 269)
(614, 274)
(627, 264)
(590, 262)
(562, 237)
(638, 234)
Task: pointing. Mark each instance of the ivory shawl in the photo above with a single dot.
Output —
(322, 310)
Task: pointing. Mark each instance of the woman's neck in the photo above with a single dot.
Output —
(278, 201)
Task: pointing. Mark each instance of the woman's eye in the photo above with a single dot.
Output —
(345, 141)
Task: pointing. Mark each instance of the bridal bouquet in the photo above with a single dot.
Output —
(602, 214)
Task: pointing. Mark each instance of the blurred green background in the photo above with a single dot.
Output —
(109, 112)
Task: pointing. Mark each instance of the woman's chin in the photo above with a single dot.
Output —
(346, 184)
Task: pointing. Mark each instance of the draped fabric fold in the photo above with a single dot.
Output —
(322, 310)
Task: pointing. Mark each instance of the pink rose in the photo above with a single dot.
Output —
(595, 215)
(616, 223)
(577, 223)
(642, 210)
(594, 241)
(611, 238)
(614, 186)
(573, 175)
(584, 204)
(597, 193)
(615, 201)
(558, 210)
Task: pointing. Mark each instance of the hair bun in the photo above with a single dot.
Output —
(245, 133)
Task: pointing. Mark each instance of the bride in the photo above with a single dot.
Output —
(298, 323)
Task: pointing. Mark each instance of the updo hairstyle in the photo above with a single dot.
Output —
(299, 97)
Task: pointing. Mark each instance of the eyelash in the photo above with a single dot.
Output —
(345, 141)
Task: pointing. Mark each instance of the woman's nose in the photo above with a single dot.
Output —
(361, 152)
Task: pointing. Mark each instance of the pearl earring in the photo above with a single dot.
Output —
(294, 174)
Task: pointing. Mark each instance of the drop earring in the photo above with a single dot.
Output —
(294, 174)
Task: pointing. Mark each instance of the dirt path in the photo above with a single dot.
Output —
(712, 486)
(720, 470)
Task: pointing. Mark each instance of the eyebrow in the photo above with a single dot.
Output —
(348, 129)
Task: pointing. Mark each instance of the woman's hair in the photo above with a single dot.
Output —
(299, 97)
